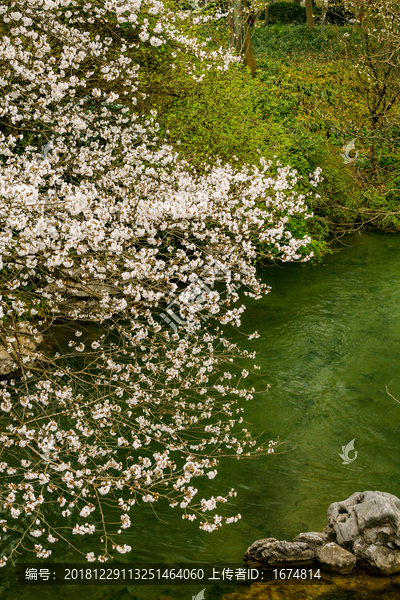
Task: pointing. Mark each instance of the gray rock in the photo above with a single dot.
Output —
(82, 297)
(363, 512)
(76, 289)
(368, 524)
(362, 530)
(7, 364)
(24, 345)
(335, 557)
(253, 553)
(313, 539)
(271, 551)
(379, 558)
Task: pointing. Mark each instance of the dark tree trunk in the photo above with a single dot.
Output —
(310, 18)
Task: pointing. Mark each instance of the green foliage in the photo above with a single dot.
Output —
(299, 95)
(288, 43)
(302, 107)
(239, 118)
(216, 117)
(337, 13)
(311, 106)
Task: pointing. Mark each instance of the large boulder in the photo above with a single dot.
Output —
(368, 524)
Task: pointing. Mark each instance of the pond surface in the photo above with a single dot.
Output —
(329, 346)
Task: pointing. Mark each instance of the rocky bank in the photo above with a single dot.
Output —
(363, 530)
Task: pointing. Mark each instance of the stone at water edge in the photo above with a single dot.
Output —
(271, 551)
(25, 344)
(380, 558)
(368, 524)
(304, 549)
(314, 539)
(333, 556)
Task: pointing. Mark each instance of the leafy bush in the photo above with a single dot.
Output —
(216, 117)
(312, 105)
(337, 13)
(285, 13)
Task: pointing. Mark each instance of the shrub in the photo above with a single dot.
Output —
(337, 14)
(285, 13)
(315, 102)
(216, 118)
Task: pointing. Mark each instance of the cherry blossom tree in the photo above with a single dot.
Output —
(111, 237)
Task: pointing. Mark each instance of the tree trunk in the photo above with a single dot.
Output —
(240, 30)
(249, 59)
(309, 12)
(238, 26)
(266, 15)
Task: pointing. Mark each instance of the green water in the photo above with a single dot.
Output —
(330, 343)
